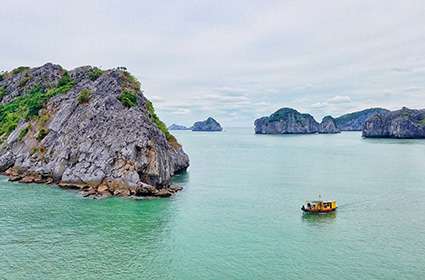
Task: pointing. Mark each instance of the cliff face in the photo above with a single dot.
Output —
(328, 126)
(404, 123)
(209, 124)
(86, 128)
(355, 121)
(286, 121)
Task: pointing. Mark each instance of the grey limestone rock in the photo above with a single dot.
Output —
(355, 121)
(178, 127)
(328, 126)
(404, 123)
(286, 121)
(90, 144)
(209, 124)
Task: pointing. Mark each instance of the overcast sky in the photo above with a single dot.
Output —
(233, 60)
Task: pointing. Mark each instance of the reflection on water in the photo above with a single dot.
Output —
(393, 141)
(315, 218)
(181, 178)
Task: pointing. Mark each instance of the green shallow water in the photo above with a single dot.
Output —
(238, 218)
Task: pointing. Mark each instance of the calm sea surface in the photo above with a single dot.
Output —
(238, 217)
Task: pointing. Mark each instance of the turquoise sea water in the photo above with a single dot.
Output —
(238, 217)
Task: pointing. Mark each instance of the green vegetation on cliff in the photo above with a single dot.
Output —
(24, 81)
(24, 132)
(131, 81)
(20, 69)
(65, 80)
(170, 138)
(28, 105)
(130, 85)
(84, 96)
(2, 92)
(42, 133)
(95, 73)
(128, 98)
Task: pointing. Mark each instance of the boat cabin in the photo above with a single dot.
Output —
(319, 206)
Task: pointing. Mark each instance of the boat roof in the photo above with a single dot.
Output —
(318, 201)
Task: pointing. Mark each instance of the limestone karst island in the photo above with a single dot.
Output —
(210, 140)
(86, 128)
(210, 124)
(373, 122)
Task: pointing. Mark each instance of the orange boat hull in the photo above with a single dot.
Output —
(318, 210)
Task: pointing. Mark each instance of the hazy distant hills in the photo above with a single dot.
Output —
(210, 124)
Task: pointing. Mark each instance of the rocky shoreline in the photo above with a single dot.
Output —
(95, 192)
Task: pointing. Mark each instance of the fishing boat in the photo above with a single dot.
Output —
(319, 206)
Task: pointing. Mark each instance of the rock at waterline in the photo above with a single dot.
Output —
(328, 126)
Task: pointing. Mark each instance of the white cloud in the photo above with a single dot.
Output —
(331, 103)
(156, 99)
(181, 111)
(339, 99)
(319, 105)
(199, 58)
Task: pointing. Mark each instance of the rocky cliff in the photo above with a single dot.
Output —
(328, 126)
(178, 127)
(86, 128)
(286, 121)
(404, 123)
(355, 121)
(209, 124)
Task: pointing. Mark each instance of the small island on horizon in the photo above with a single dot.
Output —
(178, 127)
(210, 124)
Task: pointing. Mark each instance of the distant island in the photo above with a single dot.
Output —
(355, 121)
(209, 124)
(404, 124)
(178, 127)
(86, 128)
(290, 121)
(328, 126)
(374, 123)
